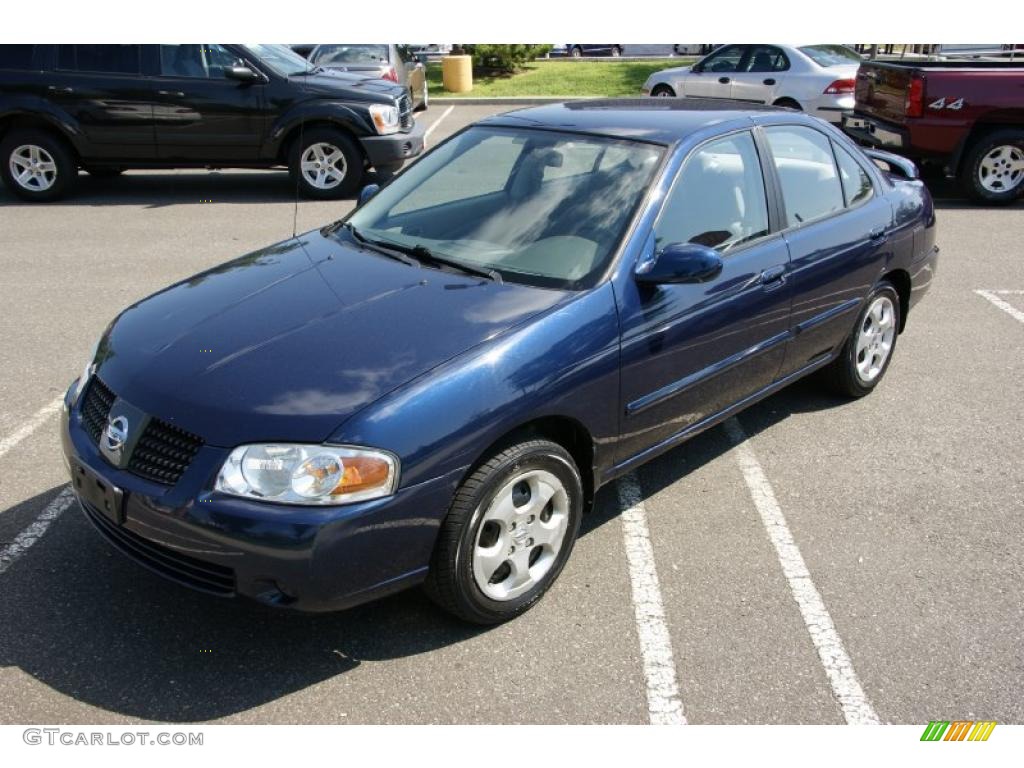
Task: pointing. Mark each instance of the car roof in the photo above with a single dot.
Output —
(664, 121)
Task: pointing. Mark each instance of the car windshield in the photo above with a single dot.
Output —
(281, 59)
(831, 55)
(535, 206)
(350, 54)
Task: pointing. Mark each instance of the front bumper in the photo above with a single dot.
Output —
(394, 149)
(311, 559)
(873, 132)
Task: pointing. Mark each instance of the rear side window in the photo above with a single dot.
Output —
(204, 61)
(766, 58)
(718, 200)
(807, 171)
(108, 59)
(16, 56)
(856, 183)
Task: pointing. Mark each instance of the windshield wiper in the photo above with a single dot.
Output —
(424, 254)
(379, 246)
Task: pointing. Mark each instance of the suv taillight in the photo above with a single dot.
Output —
(841, 86)
(914, 106)
(391, 75)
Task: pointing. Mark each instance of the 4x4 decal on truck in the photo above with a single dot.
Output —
(952, 104)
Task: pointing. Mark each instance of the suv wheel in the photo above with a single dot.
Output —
(508, 533)
(36, 165)
(425, 101)
(867, 353)
(993, 171)
(326, 164)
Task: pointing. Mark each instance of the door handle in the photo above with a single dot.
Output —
(179, 94)
(723, 80)
(769, 81)
(879, 234)
(773, 277)
(55, 89)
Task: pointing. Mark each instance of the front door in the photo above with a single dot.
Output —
(201, 115)
(760, 75)
(689, 351)
(712, 79)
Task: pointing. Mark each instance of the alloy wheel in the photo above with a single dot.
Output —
(1002, 168)
(520, 535)
(875, 339)
(33, 168)
(323, 165)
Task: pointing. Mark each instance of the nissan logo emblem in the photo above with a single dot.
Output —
(115, 434)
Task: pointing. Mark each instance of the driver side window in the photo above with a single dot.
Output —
(718, 199)
(205, 61)
(726, 60)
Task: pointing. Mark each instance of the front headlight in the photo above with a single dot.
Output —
(385, 118)
(288, 473)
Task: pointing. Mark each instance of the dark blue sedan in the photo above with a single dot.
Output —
(433, 389)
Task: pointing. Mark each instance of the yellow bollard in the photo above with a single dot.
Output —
(457, 73)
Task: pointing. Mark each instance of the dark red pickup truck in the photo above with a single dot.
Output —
(967, 116)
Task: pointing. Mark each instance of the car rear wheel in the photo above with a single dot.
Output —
(993, 171)
(789, 104)
(616, 51)
(508, 533)
(37, 166)
(663, 92)
(868, 351)
(326, 164)
(576, 52)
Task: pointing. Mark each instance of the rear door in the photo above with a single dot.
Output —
(837, 226)
(103, 88)
(690, 351)
(713, 78)
(201, 115)
(761, 73)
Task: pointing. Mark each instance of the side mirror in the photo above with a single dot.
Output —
(698, 67)
(367, 192)
(680, 263)
(241, 73)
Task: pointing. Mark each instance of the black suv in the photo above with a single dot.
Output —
(105, 108)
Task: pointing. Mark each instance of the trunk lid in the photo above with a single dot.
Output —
(881, 90)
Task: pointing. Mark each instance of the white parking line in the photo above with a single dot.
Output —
(433, 125)
(35, 421)
(664, 707)
(845, 686)
(1008, 308)
(27, 538)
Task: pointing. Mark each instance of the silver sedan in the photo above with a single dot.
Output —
(813, 78)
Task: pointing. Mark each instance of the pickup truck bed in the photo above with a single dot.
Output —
(967, 116)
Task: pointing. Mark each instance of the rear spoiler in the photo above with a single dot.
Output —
(897, 164)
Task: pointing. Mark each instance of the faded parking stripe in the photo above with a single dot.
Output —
(1008, 308)
(857, 710)
(664, 706)
(27, 538)
(37, 420)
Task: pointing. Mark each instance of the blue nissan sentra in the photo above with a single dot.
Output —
(432, 389)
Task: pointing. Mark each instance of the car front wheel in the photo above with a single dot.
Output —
(663, 92)
(868, 351)
(508, 534)
(37, 166)
(326, 164)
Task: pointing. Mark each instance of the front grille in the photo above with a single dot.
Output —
(405, 111)
(186, 570)
(96, 407)
(164, 452)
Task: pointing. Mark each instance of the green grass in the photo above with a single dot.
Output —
(562, 78)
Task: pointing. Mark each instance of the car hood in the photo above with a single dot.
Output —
(288, 342)
(350, 85)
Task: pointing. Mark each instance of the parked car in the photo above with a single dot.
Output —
(433, 389)
(965, 116)
(576, 50)
(105, 108)
(818, 79)
(396, 63)
(693, 49)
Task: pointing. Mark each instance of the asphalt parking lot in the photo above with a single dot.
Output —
(904, 511)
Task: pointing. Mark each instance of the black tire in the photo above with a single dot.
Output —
(102, 172)
(450, 582)
(66, 170)
(842, 375)
(789, 103)
(974, 170)
(576, 52)
(354, 163)
(663, 91)
(424, 97)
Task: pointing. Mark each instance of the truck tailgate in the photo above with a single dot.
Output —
(881, 91)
